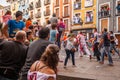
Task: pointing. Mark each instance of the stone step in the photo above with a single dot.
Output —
(62, 77)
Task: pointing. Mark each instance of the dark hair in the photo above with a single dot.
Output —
(29, 32)
(61, 19)
(50, 57)
(48, 22)
(18, 13)
(54, 15)
(31, 27)
(8, 12)
(95, 29)
(111, 32)
(29, 18)
(105, 29)
(44, 32)
(54, 25)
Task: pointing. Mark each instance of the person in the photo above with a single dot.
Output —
(70, 50)
(53, 19)
(36, 49)
(61, 29)
(46, 67)
(13, 55)
(53, 33)
(7, 17)
(105, 40)
(113, 44)
(28, 23)
(82, 45)
(95, 45)
(14, 25)
(48, 24)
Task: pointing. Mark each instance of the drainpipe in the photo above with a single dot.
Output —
(97, 23)
(114, 1)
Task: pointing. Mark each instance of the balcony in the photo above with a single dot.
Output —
(104, 14)
(38, 15)
(77, 21)
(118, 10)
(46, 2)
(46, 13)
(31, 6)
(77, 5)
(38, 5)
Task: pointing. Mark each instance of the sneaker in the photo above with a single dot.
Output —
(111, 64)
(64, 67)
(74, 66)
(90, 57)
(101, 62)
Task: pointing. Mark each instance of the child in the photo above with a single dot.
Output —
(7, 17)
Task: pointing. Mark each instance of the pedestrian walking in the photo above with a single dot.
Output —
(105, 40)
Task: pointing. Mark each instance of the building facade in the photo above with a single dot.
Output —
(109, 16)
(63, 9)
(24, 7)
(84, 16)
(40, 10)
(13, 7)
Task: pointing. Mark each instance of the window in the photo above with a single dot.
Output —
(31, 15)
(47, 2)
(38, 15)
(66, 1)
(77, 19)
(77, 4)
(66, 24)
(57, 2)
(38, 4)
(47, 12)
(66, 10)
(88, 3)
(31, 6)
(118, 7)
(89, 16)
(104, 11)
(57, 12)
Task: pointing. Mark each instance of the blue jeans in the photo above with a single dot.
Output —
(68, 53)
(112, 46)
(4, 78)
(106, 49)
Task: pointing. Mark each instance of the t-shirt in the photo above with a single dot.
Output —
(96, 36)
(53, 34)
(106, 39)
(14, 26)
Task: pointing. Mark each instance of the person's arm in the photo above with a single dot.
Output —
(5, 31)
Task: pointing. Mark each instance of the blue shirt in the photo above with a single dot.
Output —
(14, 26)
(53, 34)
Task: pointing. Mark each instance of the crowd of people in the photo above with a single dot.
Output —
(29, 51)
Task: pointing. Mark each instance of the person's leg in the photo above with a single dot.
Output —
(73, 57)
(102, 56)
(107, 50)
(67, 57)
(87, 51)
(117, 51)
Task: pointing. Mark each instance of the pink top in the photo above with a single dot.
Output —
(6, 18)
(36, 75)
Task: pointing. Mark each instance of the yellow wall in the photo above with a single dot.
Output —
(82, 11)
